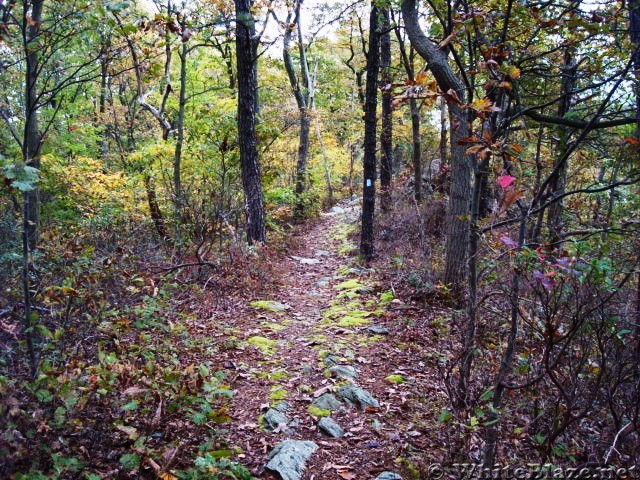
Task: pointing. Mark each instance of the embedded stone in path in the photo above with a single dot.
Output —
(344, 371)
(378, 330)
(330, 427)
(327, 401)
(357, 396)
(331, 360)
(288, 458)
(388, 476)
(275, 418)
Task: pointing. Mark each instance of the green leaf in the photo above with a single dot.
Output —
(130, 461)
(132, 405)
(445, 416)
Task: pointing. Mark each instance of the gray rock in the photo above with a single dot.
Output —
(282, 407)
(388, 476)
(330, 427)
(306, 369)
(349, 354)
(323, 282)
(331, 360)
(378, 330)
(288, 458)
(273, 418)
(376, 425)
(327, 402)
(365, 290)
(357, 396)
(344, 371)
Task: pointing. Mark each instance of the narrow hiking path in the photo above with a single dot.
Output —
(329, 356)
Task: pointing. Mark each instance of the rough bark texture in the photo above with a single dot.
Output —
(246, 61)
(386, 134)
(369, 161)
(32, 140)
(460, 192)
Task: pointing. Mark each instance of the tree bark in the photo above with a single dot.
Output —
(32, 139)
(457, 244)
(370, 118)
(177, 154)
(247, 63)
(386, 134)
(557, 186)
(302, 91)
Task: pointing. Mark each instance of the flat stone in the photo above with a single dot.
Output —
(323, 282)
(327, 401)
(388, 476)
(357, 396)
(331, 427)
(273, 419)
(288, 458)
(344, 371)
(378, 330)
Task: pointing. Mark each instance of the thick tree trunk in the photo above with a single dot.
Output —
(247, 62)
(370, 117)
(386, 134)
(460, 192)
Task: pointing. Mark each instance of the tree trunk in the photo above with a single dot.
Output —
(246, 61)
(457, 244)
(32, 140)
(177, 155)
(557, 185)
(417, 150)
(154, 207)
(386, 134)
(303, 95)
(370, 117)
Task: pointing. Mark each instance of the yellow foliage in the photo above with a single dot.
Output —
(85, 184)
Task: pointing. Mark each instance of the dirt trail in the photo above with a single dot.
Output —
(319, 317)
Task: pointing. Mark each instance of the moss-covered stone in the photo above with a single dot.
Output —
(397, 379)
(386, 298)
(318, 412)
(278, 393)
(349, 285)
(270, 305)
(349, 321)
(266, 345)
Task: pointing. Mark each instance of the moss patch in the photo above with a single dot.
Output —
(266, 345)
(317, 411)
(386, 298)
(349, 285)
(397, 379)
(270, 305)
(275, 327)
(349, 321)
(278, 393)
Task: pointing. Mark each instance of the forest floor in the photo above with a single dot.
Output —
(317, 314)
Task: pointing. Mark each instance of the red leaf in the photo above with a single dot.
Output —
(632, 141)
(506, 180)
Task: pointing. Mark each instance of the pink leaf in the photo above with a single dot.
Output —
(506, 180)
